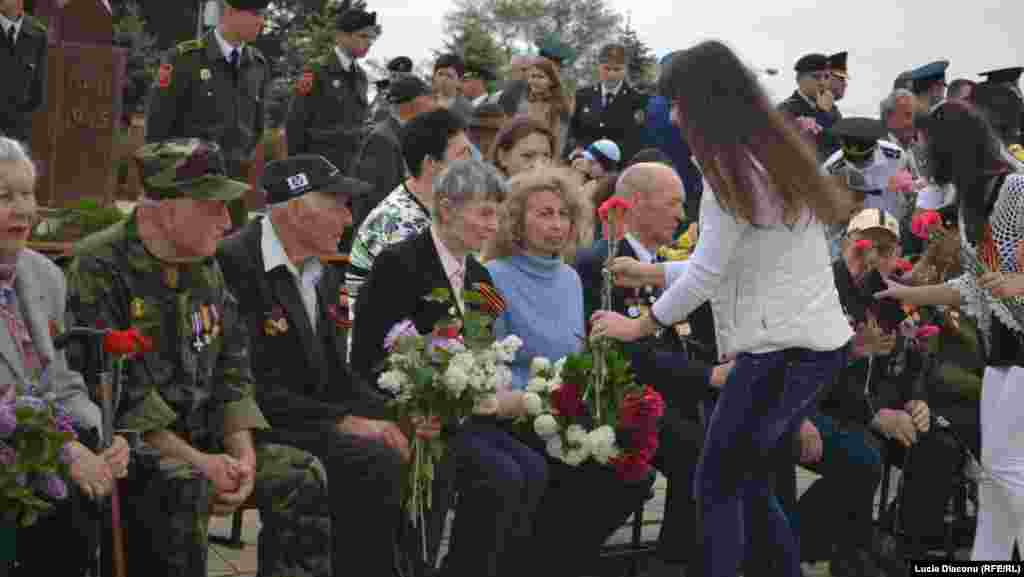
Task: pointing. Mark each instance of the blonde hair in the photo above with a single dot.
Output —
(511, 237)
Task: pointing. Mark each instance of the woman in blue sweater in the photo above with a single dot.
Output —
(583, 505)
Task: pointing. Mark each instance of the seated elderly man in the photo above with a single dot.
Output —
(32, 305)
(656, 193)
(190, 395)
(878, 393)
(295, 310)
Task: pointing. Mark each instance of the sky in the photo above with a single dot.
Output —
(883, 37)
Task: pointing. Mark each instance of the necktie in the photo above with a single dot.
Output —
(234, 64)
(607, 99)
(11, 37)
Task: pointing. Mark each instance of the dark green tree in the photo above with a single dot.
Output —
(641, 63)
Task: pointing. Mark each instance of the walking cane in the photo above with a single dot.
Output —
(99, 376)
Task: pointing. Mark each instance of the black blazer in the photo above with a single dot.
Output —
(400, 279)
(302, 380)
(24, 88)
(623, 122)
(664, 362)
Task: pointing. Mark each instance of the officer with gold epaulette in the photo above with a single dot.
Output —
(215, 88)
(331, 105)
(23, 65)
(188, 389)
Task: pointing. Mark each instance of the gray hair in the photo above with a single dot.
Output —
(889, 104)
(467, 180)
(12, 151)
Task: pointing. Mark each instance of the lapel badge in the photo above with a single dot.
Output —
(276, 323)
(138, 308)
(586, 110)
(205, 74)
(336, 83)
(633, 311)
(171, 277)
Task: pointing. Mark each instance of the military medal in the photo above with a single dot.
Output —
(336, 83)
(633, 311)
(197, 332)
(171, 277)
(204, 74)
(216, 320)
(138, 308)
(207, 325)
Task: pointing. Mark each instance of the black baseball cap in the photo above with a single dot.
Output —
(284, 180)
(407, 89)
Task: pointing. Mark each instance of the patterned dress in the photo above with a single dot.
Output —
(398, 217)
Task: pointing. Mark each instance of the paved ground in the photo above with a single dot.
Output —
(225, 561)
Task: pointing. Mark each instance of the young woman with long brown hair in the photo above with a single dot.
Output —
(763, 263)
(546, 101)
(964, 151)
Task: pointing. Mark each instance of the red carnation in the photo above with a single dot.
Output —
(612, 213)
(567, 401)
(632, 467)
(904, 265)
(126, 343)
(448, 332)
(863, 245)
(641, 411)
(925, 224)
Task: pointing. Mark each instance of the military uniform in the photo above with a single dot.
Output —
(329, 110)
(196, 382)
(798, 106)
(24, 88)
(198, 94)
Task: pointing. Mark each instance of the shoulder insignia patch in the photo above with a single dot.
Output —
(190, 46)
(164, 75)
(305, 84)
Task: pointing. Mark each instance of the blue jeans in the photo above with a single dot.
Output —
(500, 482)
(765, 396)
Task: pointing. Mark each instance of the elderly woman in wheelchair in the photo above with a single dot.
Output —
(32, 308)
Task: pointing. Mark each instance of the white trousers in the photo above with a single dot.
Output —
(1001, 492)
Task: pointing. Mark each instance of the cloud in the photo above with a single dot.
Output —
(883, 37)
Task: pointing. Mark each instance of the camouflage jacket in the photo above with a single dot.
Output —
(196, 381)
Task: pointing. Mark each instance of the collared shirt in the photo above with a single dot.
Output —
(642, 254)
(7, 23)
(10, 315)
(454, 268)
(345, 59)
(305, 280)
(608, 95)
(226, 46)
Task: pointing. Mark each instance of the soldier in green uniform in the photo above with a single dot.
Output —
(190, 395)
(215, 88)
(330, 107)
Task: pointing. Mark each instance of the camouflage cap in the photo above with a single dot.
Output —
(186, 168)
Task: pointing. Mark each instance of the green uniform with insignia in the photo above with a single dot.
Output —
(329, 110)
(196, 382)
(198, 94)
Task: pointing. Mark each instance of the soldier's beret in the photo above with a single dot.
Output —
(400, 64)
(612, 54)
(407, 89)
(254, 5)
(811, 63)
(1003, 75)
(355, 20)
(297, 175)
(186, 168)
